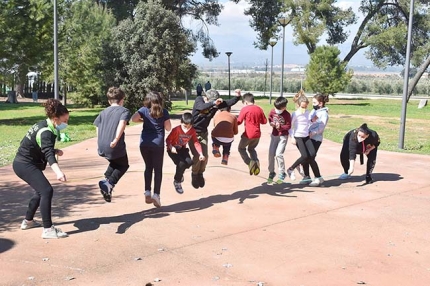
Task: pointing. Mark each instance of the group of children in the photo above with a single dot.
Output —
(304, 127)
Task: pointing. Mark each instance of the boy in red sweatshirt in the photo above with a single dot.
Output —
(177, 149)
(253, 116)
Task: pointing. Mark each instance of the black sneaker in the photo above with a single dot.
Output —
(195, 181)
(201, 180)
(106, 190)
(369, 179)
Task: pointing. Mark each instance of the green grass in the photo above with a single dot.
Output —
(383, 115)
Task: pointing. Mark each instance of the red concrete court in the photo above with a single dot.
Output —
(236, 231)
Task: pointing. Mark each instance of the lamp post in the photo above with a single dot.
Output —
(272, 43)
(283, 21)
(56, 87)
(228, 55)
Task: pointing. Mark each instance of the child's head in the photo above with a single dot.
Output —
(281, 103)
(187, 120)
(115, 95)
(302, 101)
(319, 100)
(154, 101)
(248, 98)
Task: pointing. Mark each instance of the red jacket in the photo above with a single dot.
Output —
(178, 139)
(253, 116)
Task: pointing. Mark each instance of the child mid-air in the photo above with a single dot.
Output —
(223, 133)
(280, 120)
(253, 116)
(110, 125)
(176, 143)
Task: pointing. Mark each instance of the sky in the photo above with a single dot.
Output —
(235, 35)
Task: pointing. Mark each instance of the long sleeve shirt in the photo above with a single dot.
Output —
(316, 129)
(300, 124)
(253, 116)
(284, 120)
(225, 125)
(179, 139)
(356, 147)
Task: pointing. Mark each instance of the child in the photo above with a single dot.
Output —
(110, 125)
(223, 133)
(300, 136)
(176, 143)
(280, 120)
(156, 120)
(35, 151)
(253, 116)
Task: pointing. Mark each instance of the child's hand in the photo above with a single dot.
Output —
(218, 101)
(113, 143)
(315, 118)
(238, 92)
(58, 152)
(277, 125)
(174, 151)
(201, 157)
(293, 141)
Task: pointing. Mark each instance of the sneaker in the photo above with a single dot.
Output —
(148, 198)
(224, 160)
(215, 151)
(27, 224)
(53, 232)
(306, 180)
(282, 176)
(195, 181)
(201, 180)
(257, 168)
(291, 174)
(271, 176)
(106, 190)
(369, 179)
(317, 182)
(156, 200)
(299, 169)
(344, 176)
(251, 167)
(178, 187)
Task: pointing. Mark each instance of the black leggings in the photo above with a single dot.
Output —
(305, 165)
(182, 161)
(153, 157)
(371, 160)
(308, 153)
(116, 169)
(44, 192)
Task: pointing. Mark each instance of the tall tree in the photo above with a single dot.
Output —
(151, 49)
(326, 73)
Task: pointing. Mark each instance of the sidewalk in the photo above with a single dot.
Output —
(237, 230)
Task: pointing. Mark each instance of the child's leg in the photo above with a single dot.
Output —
(185, 162)
(274, 141)
(215, 147)
(303, 152)
(344, 158)
(243, 143)
(279, 153)
(253, 143)
(371, 161)
(117, 168)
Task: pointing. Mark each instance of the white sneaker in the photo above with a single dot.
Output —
(156, 200)
(300, 170)
(27, 224)
(148, 198)
(178, 187)
(291, 174)
(53, 232)
(317, 182)
(344, 176)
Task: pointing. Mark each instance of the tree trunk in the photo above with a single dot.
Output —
(11, 97)
(413, 83)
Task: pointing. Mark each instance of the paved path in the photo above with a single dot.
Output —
(236, 231)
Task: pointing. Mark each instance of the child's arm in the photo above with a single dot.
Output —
(119, 131)
(137, 117)
(198, 146)
(235, 126)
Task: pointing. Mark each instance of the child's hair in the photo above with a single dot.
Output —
(54, 108)
(280, 102)
(248, 97)
(212, 94)
(187, 118)
(296, 97)
(363, 128)
(227, 108)
(154, 102)
(321, 98)
(115, 94)
(302, 98)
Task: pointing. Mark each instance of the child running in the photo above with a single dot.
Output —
(252, 116)
(176, 143)
(110, 125)
(223, 133)
(280, 120)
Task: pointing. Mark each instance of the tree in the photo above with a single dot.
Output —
(151, 49)
(326, 73)
(26, 29)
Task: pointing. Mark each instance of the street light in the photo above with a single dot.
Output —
(228, 55)
(272, 43)
(283, 21)
(56, 87)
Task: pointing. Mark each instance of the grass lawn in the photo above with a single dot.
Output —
(380, 114)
